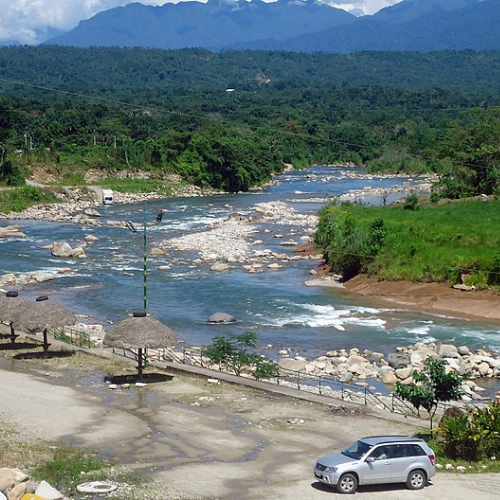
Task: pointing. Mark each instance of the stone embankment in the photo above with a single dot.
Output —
(15, 484)
(236, 241)
(357, 367)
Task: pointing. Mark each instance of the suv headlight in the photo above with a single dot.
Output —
(331, 469)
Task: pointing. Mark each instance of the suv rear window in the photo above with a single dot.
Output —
(406, 450)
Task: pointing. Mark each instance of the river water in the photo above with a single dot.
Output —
(108, 284)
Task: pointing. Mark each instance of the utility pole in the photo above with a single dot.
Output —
(145, 261)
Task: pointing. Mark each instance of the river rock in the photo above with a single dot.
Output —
(346, 377)
(398, 360)
(91, 238)
(92, 212)
(355, 359)
(463, 350)
(389, 378)
(403, 373)
(219, 267)
(221, 317)
(157, 251)
(295, 365)
(11, 233)
(8, 278)
(78, 253)
(483, 369)
(65, 270)
(447, 351)
(61, 249)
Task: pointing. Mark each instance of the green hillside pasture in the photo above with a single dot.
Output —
(436, 243)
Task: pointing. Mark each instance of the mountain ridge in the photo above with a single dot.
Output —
(293, 25)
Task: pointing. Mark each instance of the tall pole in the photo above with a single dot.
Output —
(145, 261)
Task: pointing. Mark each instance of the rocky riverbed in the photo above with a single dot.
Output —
(236, 240)
(357, 366)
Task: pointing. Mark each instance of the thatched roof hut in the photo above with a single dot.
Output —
(140, 332)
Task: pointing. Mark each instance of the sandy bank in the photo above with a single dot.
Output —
(431, 298)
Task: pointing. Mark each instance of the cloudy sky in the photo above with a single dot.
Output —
(27, 21)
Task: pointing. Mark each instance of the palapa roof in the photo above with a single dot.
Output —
(11, 305)
(140, 332)
(43, 313)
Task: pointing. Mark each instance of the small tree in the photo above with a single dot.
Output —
(231, 353)
(431, 386)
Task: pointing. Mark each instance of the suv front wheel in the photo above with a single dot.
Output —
(348, 483)
(416, 480)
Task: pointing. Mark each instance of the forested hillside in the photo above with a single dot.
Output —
(230, 120)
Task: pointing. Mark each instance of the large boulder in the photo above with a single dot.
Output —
(389, 378)
(61, 249)
(447, 351)
(296, 365)
(221, 317)
(398, 360)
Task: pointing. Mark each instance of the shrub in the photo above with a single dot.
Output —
(231, 353)
(472, 436)
(411, 202)
(459, 439)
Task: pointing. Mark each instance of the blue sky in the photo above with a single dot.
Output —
(26, 21)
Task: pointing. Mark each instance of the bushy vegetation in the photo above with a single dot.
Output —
(432, 385)
(18, 199)
(450, 242)
(473, 436)
(232, 354)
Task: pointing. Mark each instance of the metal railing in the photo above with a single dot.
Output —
(322, 385)
(307, 382)
(75, 337)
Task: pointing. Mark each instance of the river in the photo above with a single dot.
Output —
(108, 284)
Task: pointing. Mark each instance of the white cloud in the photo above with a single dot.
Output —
(23, 20)
(361, 6)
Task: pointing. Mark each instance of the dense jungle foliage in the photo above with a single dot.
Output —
(231, 120)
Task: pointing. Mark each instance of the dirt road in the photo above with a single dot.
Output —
(194, 439)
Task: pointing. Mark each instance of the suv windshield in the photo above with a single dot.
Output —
(356, 450)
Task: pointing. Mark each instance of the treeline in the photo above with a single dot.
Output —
(231, 120)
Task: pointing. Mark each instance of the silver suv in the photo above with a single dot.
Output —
(378, 460)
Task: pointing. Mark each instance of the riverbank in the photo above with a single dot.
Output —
(431, 298)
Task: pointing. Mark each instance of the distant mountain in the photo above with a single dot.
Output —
(413, 9)
(412, 25)
(211, 25)
(294, 25)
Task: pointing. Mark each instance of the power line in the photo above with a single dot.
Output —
(202, 116)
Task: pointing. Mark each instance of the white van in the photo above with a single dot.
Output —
(107, 197)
